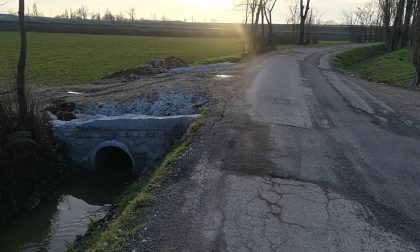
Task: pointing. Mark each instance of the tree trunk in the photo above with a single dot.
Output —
(303, 14)
(386, 9)
(416, 40)
(270, 29)
(416, 81)
(269, 18)
(257, 21)
(20, 78)
(409, 10)
(251, 33)
(262, 24)
(246, 34)
(398, 23)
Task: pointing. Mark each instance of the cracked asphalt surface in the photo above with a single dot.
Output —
(301, 159)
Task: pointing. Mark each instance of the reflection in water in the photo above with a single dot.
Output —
(67, 213)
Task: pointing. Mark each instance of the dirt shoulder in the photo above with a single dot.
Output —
(405, 101)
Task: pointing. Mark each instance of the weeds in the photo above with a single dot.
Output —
(30, 159)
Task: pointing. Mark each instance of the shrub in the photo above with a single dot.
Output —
(30, 159)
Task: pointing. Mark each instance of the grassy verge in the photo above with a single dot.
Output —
(71, 59)
(135, 202)
(374, 64)
(334, 42)
(282, 47)
(234, 58)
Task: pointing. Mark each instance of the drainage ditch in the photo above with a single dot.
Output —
(115, 141)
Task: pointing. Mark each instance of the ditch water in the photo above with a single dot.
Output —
(88, 195)
(67, 213)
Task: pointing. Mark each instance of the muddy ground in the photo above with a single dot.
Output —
(206, 84)
(218, 91)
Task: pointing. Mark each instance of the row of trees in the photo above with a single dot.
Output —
(294, 18)
(401, 28)
(395, 22)
(364, 22)
(398, 18)
(83, 13)
(258, 13)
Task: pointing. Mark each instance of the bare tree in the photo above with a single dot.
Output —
(364, 22)
(258, 11)
(269, 7)
(65, 14)
(108, 16)
(132, 14)
(409, 11)
(398, 25)
(294, 15)
(95, 16)
(251, 17)
(397, 16)
(72, 14)
(35, 11)
(82, 12)
(313, 19)
(304, 9)
(386, 8)
(20, 76)
(120, 16)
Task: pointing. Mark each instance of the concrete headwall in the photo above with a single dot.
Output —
(146, 139)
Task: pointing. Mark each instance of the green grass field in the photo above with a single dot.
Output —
(67, 59)
(375, 64)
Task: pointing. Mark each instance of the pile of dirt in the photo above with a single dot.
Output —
(61, 110)
(168, 63)
(150, 68)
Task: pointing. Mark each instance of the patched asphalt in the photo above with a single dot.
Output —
(299, 159)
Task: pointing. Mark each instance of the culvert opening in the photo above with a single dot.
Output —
(114, 162)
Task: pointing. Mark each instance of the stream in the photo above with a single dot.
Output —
(87, 196)
(66, 214)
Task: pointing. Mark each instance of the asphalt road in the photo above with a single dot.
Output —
(302, 160)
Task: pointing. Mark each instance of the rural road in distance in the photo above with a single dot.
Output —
(302, 160)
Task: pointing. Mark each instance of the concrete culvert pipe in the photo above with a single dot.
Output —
(113, 158)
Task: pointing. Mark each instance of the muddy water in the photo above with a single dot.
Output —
(66, 214)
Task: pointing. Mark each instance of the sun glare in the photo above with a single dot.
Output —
(204, 4)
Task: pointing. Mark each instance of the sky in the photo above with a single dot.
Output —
(198, 10)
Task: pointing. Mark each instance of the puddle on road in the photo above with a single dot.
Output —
(224, 76)
(74, 93)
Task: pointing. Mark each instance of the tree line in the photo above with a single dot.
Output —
(395, 22)
(259, 15)
(83, 13)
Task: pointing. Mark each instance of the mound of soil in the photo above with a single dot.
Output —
(168, 63)
(152, 67)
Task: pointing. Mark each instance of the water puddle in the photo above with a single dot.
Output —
(224, 76)
(65, 215)
(74, 93)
